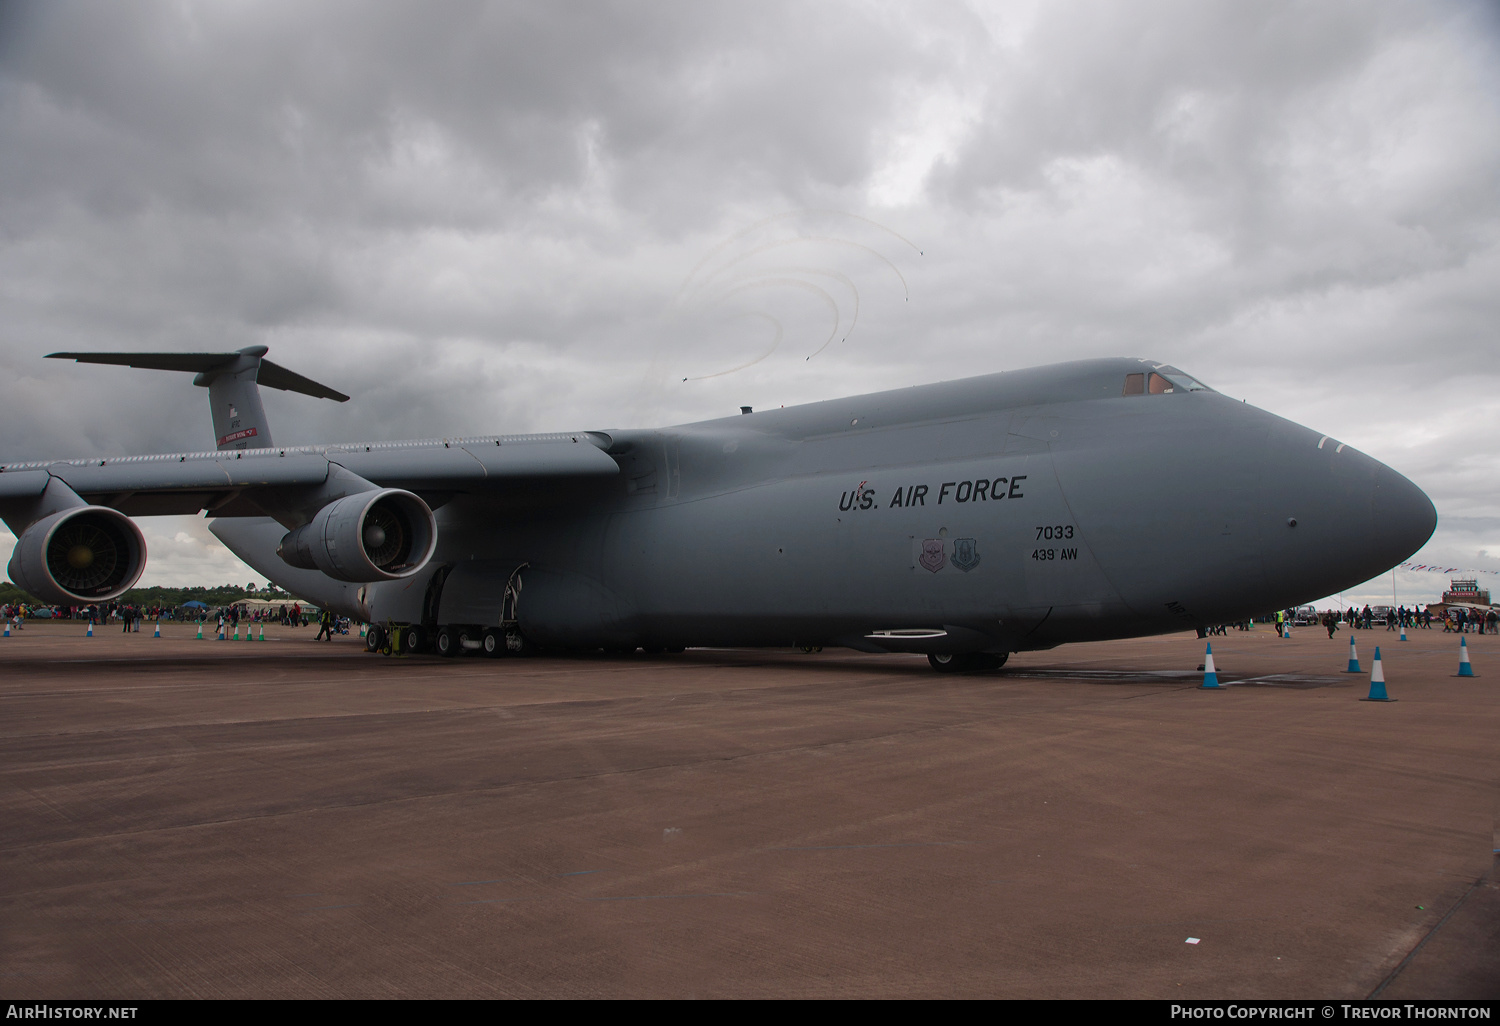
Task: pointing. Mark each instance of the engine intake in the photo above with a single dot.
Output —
(381, 535)
(81, 555)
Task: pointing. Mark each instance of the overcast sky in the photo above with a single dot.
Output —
(479, 218)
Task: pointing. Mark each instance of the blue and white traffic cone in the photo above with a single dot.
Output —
(1377, 682)
(158, 630)
(90, 632)
(221, 632)
(1403, 632)
(1210, 677)
(7, 628)
(361, 630)
(1464, 669)
(1353, 658)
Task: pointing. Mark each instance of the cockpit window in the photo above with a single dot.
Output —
(1183, 382)
(1163, 381)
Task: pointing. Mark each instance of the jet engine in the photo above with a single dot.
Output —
(80, 555)
(381, 535)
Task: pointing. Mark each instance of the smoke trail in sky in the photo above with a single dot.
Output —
(731, 280)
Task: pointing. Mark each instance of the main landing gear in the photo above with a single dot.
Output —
(447, 640)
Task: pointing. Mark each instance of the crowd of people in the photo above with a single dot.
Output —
(1455, 619)
(130, 617)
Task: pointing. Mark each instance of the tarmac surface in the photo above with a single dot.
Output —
(184, 818)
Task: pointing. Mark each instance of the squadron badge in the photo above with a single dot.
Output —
(965, 553)
(932, 557)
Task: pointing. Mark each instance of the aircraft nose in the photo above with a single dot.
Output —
(1402, 517)
(1336, 516)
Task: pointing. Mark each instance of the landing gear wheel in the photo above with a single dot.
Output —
(967, 662)
(446, 642)
(492, 644)
(414, 640)
(374, 639)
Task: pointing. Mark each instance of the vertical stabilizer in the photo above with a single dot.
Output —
(232, 380)
(239, 417)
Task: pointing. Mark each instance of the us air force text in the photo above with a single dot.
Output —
(984, 489)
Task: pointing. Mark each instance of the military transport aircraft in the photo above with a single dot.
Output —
(966, 520)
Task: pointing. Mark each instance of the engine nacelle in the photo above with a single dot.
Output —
(80, 555)
(381, 535)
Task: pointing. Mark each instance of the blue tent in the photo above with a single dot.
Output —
(195, 604)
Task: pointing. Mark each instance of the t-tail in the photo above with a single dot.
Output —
(232, 380)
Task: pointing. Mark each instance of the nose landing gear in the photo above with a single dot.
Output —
(967, 662)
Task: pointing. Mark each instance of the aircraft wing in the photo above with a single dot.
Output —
(184, 483)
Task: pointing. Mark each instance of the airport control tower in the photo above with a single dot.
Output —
(1466, 593)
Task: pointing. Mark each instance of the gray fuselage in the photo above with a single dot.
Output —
(1000, 513)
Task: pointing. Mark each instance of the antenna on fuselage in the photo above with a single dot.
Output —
(231, 380)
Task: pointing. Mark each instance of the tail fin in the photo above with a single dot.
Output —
(231, 380)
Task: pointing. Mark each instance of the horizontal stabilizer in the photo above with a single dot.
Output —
(271, 374)
(191, 362)
(277, 376)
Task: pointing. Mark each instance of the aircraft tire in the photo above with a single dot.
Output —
(492, 644)
(446, 642)
(414, 640)
(374, 639)
(967, 662)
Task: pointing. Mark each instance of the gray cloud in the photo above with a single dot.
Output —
(479, 217)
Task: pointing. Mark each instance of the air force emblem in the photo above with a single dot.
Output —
(965, 553)
(932, 556)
